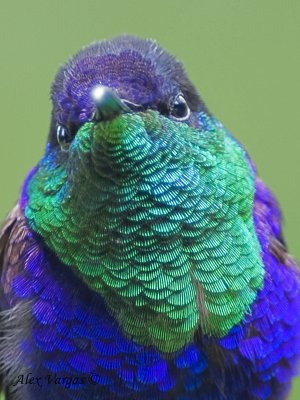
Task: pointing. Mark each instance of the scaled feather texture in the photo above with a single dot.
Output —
(145, 258)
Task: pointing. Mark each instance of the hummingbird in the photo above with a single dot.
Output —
(145, 257)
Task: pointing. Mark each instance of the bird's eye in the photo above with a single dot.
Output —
(179, 109)
(63, 137)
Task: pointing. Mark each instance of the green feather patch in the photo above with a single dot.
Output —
(156, 216)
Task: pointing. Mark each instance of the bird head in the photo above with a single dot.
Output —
(146, 196)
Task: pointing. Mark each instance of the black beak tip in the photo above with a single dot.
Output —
(108, 104)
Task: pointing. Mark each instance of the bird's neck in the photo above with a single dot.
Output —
(171, 251)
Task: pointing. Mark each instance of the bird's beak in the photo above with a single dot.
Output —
(108, 104)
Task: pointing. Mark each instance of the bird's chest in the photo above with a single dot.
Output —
(69, 345)
(61, 341)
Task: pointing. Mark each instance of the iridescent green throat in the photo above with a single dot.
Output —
(157, 217)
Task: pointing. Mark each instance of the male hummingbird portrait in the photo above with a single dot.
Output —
(145, 258)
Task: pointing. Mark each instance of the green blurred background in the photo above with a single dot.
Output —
(243, 55)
